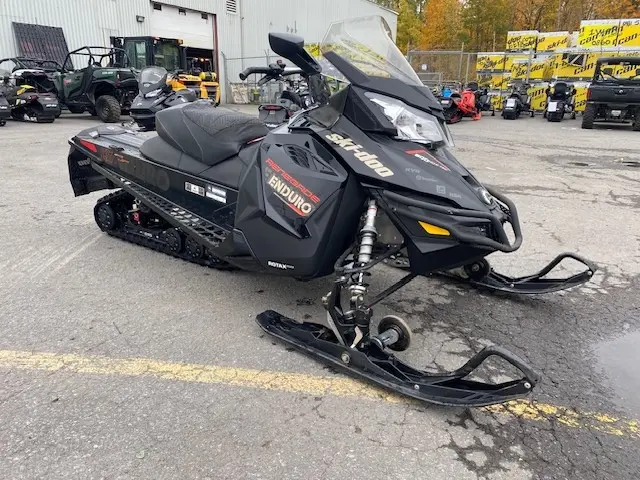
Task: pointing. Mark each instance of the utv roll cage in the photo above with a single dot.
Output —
(117, 58)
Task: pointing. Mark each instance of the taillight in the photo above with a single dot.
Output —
(272, 107)
(588, 94)
(89, 146)
(33, 98)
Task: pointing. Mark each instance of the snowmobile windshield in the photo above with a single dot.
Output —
(152, 78)
(366, 43)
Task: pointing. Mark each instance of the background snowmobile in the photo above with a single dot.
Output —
(483, 102)
(333, 192)
(292, 99)
(560, 101)
(5, 108)
(155, 94)
(517, 102)
(463, 104)
(25, 103)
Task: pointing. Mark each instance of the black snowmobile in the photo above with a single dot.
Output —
(289, 101)
(25, 102)
(342, 187)
(517, 102)
(5, 109)
(560, 101)
(155, 95)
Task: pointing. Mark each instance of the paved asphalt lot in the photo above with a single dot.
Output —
(117, 362)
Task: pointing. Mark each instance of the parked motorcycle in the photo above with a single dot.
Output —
(155, 94)
(560, 101)
(293, 98)
(517, 102)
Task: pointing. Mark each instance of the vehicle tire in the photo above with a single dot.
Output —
(108, 109)
(544, 114)
(573, 115)
(588, 117)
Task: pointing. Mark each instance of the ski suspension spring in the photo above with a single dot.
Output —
(368, 235)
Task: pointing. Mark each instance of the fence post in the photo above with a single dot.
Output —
(460, 64)
(224, 94)
(466, 75)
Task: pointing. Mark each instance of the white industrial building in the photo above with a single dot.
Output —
(236, 30)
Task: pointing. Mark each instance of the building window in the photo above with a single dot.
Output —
(232, 6)
(157, 6)
(182, 11)
(204, 16)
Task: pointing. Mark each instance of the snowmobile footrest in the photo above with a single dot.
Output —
(535, 284)
(371, 363)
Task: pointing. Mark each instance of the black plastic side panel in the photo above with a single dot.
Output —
(298, 208)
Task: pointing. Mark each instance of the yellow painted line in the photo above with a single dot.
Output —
(294, 383)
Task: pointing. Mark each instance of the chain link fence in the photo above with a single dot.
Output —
(443, 67)
(248, 91)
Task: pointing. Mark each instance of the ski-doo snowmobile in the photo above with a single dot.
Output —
(340, 188)
(25, 102)
(155, 94)
(5, 108)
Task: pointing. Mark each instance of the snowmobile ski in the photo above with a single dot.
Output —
(481, 275)
(379, 366)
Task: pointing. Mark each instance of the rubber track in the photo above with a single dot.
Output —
(207, 260)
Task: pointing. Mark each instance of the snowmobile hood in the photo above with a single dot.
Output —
(433, 172)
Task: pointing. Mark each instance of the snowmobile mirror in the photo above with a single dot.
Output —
(291, 47)
(607, 71)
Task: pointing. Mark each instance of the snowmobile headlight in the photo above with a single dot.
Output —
(412, 124)
(153, 93)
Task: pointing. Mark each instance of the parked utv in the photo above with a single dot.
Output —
(560, 101)
(105, 87)
(614, 93)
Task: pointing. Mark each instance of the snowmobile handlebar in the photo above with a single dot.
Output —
(271, 73)
(467, 236)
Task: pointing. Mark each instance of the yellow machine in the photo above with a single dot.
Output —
(204, 85)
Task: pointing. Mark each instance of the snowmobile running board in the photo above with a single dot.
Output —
(376, 365)
(481, 275)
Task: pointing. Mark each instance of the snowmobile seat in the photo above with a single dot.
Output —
(226, 173)
(208, 134)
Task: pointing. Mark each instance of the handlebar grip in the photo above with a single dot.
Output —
(248, 71)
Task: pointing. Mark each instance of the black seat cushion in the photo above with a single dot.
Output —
(206, 133)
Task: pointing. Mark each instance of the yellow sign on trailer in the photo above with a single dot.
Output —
(629, 35)
(598, 33)
(552, 41)
(521, 40)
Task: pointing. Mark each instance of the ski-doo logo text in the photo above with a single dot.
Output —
(368, 159)
(295, 195)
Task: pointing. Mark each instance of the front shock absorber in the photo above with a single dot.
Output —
(368, 235)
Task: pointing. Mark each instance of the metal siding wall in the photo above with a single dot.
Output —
(92, 22)
(307, 18)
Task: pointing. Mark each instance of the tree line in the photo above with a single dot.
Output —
(482, 25)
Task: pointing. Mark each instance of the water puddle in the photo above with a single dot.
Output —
(620, 360)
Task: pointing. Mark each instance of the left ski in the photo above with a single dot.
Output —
(378, 366)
